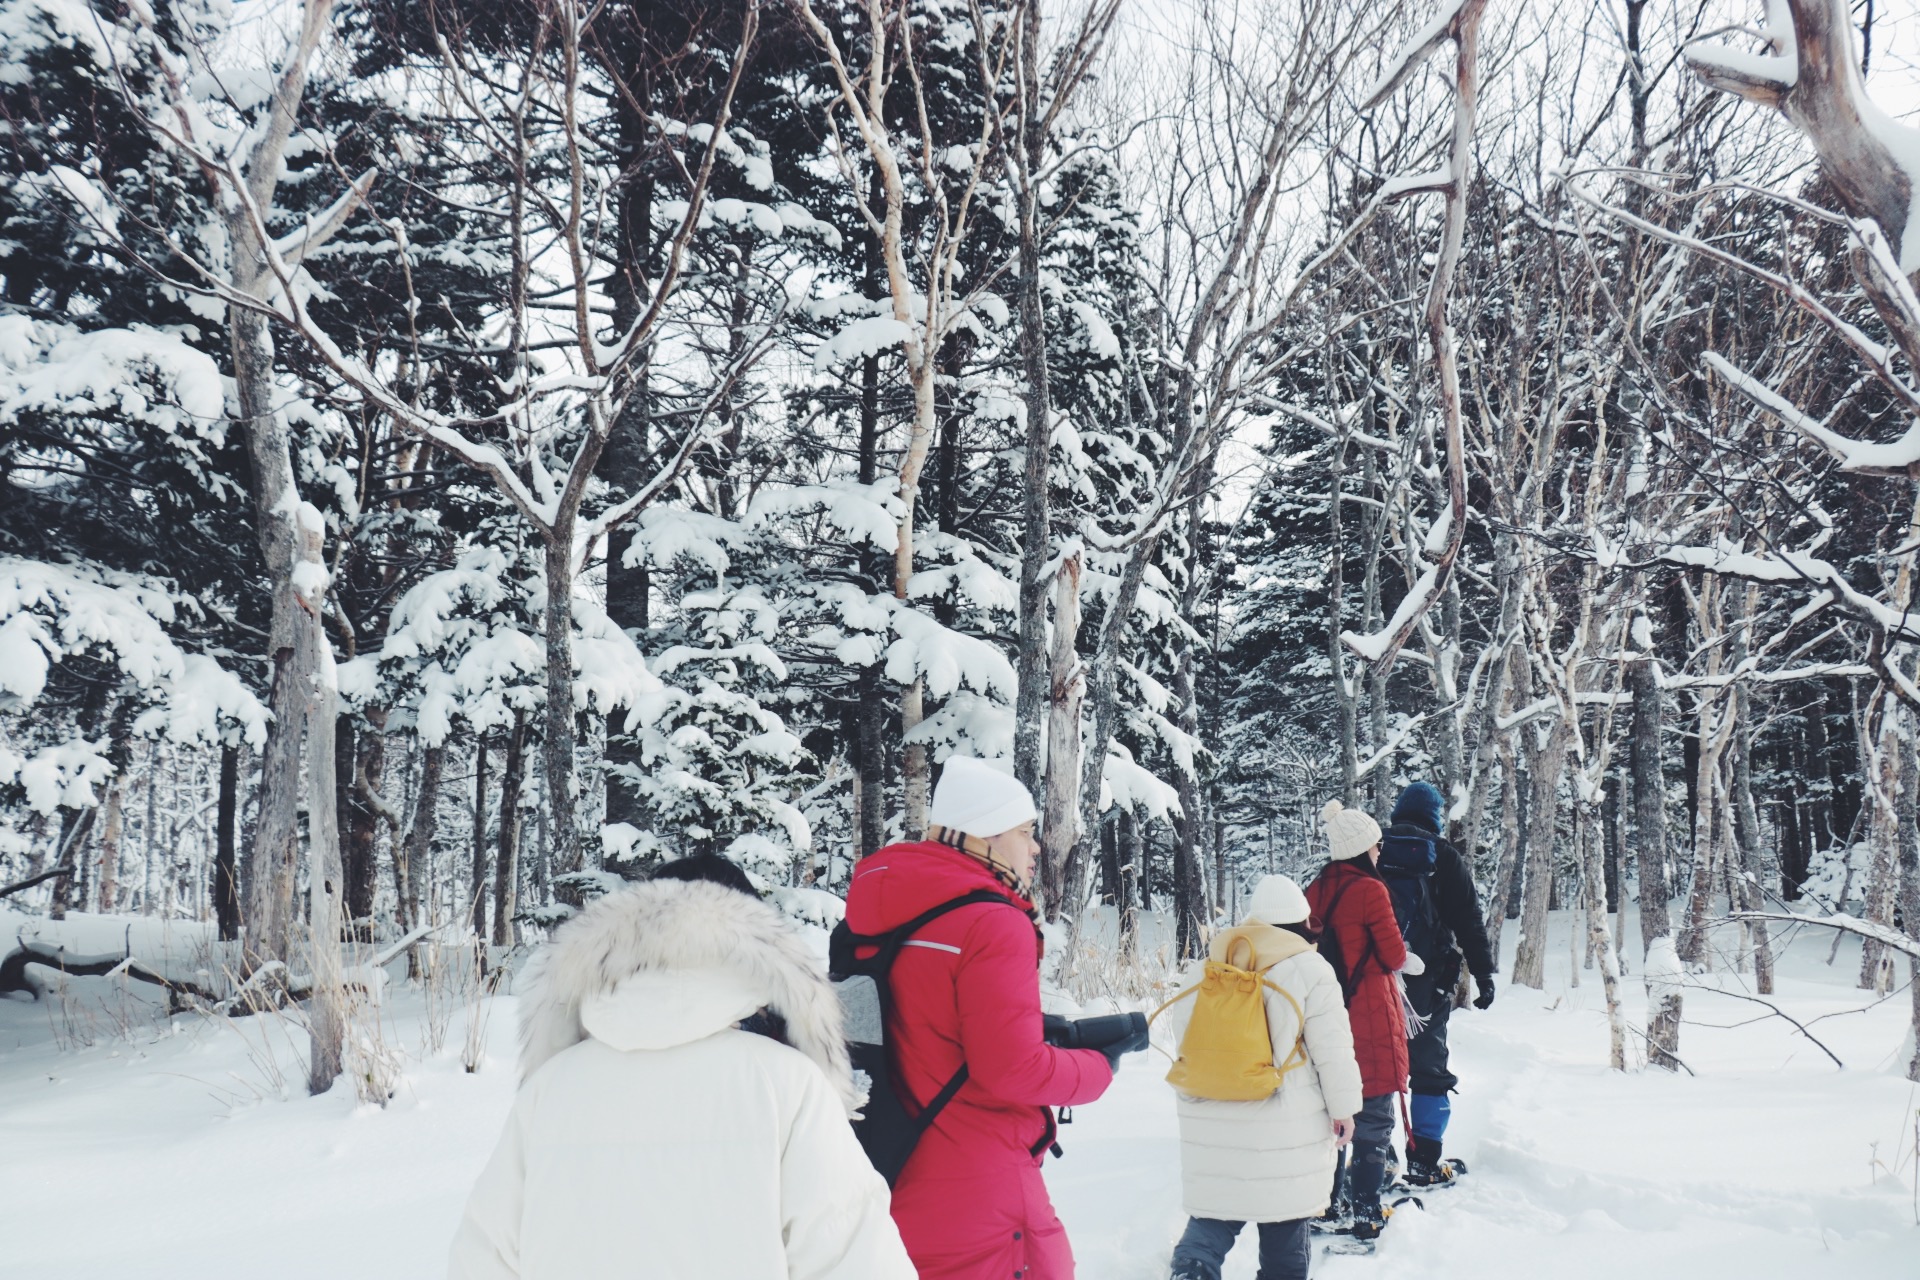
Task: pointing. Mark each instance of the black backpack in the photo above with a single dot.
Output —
(888, 1129)
(1329, 946)
(1406, 864)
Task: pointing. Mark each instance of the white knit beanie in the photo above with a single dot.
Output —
(979, 798)
(1277, 900)
(1350, 832)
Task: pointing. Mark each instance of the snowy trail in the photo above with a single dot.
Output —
(1758, 1168)
(149, 1157)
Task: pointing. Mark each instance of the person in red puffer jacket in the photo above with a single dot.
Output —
(971, 1204)
(1350, 902)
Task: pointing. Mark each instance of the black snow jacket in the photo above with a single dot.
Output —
(1456, 902)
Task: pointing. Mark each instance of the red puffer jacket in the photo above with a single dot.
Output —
(970, 1204)
(1357, 907)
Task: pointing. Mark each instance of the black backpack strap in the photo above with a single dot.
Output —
(1350, 980)
(881, 968)
(894, 939)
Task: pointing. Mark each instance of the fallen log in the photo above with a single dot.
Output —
(14, 976)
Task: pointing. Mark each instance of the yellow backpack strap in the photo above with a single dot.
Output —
(1299, 1055)
(1193, 990)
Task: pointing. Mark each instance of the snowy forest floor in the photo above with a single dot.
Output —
(135, 1148)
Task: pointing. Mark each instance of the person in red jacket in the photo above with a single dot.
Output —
(1350, 902)
(970, 1203)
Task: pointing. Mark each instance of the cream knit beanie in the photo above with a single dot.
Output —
(1350, 832)
(979, 799)
(1277, 900)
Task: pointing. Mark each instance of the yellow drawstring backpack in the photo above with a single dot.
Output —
(1227, 1051)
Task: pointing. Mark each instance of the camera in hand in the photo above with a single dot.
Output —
(1112, 1034)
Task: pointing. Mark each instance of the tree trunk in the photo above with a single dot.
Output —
(1589, 838)
(273, 855)
(1707, 834)
(871, 727)
(1486, 737)
(870, 716)
(1617, 858)
(226, 888)
(564, 831)
(1343, 687)
(1510, 845)
(415, 853)
(1101, 666)
(1135, 851)
(110, 832)
(1821, 833)
(1883, 844)
(506, 882)
(326, 1009)
(1650, 832)
(369, 765)
(75, 824)
(1062, 846)
(346, 808)
(477, 902)
(624, 463)
(1910, 903)
(1189, 889)
(1745, 817)
(1036, 516)
(1546, 768)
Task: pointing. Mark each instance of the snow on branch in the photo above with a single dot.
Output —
(1892, 939)
(1876, 356)
(1897, 459)
(1439, 29)
(1375, 647)
(1459, 21)
(947, 658)
(319, 228)
(1757, 77)
(1813, 78)
(50, 612)
(1411, 184)
(1133, 787)
(1778, 566)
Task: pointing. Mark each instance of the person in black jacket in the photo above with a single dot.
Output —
(1461, 936)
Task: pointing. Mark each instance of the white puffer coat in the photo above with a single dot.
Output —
(1272, 1160)
(651, 1137)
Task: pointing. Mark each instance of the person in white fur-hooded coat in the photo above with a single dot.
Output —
(654, 1138)
(1270, 1162)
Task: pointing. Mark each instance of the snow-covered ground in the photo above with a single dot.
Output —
(162, 1150)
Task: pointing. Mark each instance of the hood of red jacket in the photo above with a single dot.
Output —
(901, 881)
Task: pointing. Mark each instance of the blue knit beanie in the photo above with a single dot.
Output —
(1422, 805)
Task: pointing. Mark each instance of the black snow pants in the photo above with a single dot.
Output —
(1429, 1080)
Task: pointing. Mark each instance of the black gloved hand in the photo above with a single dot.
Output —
(1132, 1044)
(1486, 991)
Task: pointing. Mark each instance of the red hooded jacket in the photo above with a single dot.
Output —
(970, 1203)
(1369, 938)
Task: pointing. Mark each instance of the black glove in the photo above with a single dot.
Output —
(1485, 983)
(1132, 1044)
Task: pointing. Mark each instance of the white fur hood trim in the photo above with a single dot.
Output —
(725, 946)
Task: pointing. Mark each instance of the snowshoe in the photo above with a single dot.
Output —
(1349, 1246)
(1337, 1220)
(1442, 1173)
(1364, 1236)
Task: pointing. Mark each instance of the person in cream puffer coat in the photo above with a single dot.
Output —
(1270, 1162)
(652, 1138)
